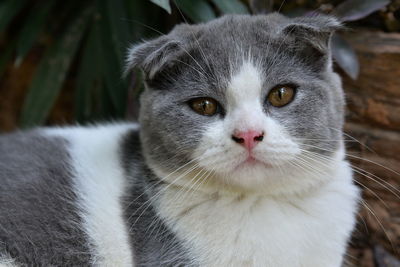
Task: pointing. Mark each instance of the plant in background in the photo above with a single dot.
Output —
(87, 40)
(351, 10)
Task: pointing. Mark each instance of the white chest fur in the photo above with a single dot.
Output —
(248, 230)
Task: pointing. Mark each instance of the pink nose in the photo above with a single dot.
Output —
(248, 139)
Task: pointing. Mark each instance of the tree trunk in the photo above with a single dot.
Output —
(373, 118)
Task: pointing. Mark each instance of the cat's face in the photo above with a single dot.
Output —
(246, 103)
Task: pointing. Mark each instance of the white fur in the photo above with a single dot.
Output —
(7, 261)
(100, 183)
(243, 96)
(233, 229)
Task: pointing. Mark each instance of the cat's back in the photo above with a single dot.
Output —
(37, 201)
(59, 188)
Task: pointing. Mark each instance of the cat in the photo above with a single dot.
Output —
(237, 160)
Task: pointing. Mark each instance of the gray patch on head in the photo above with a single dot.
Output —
(39, 221)
(197, 61)
(154, 244)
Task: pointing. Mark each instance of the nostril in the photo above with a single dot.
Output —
(259, 138)
(238, 139)
(248, 139)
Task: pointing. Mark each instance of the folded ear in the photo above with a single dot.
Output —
(315, 31)
(155, 55)
(152, 56)
(312, 35)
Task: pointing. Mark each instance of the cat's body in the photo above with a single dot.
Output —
(188, 189)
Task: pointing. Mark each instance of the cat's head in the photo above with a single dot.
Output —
(242, 102)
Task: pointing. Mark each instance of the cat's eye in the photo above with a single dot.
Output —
(204, 106)
(281, 95)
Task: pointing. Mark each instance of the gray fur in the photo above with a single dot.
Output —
(153, 243)
(39, 222)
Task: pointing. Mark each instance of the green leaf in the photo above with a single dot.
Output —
(345, 56)
(197, 11)
(163, 4)
(114, 26)
(51, 73)
(8, 9)
(92, 102)
(137, 15)
(5, 56)
(145, 20)
(88, 78)
(113, 44)
(31, 29)
(356, 9)
(231, 6)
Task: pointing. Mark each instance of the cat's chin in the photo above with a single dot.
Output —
(256, 175)
(272, 178)
(251, 163)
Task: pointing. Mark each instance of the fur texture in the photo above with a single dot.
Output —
(99, 183)
(39, 220)
(179, 190)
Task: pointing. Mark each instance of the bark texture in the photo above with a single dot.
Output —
(373, 118)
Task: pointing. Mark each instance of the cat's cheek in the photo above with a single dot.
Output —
(278, 147)
(215, 149)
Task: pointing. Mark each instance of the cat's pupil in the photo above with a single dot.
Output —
(207, 107)
(204, 106)
(280, 92)
(281, 95)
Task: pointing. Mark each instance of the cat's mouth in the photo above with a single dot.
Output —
(252, 161)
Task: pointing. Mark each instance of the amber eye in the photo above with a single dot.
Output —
(281, 95)
(204, 106)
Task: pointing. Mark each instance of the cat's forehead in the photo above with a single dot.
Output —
(225, 46)
(233, 39)
(248, 29)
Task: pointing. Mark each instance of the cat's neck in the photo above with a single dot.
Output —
(215, 224)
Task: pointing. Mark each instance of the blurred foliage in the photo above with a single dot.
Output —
(88, 39)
